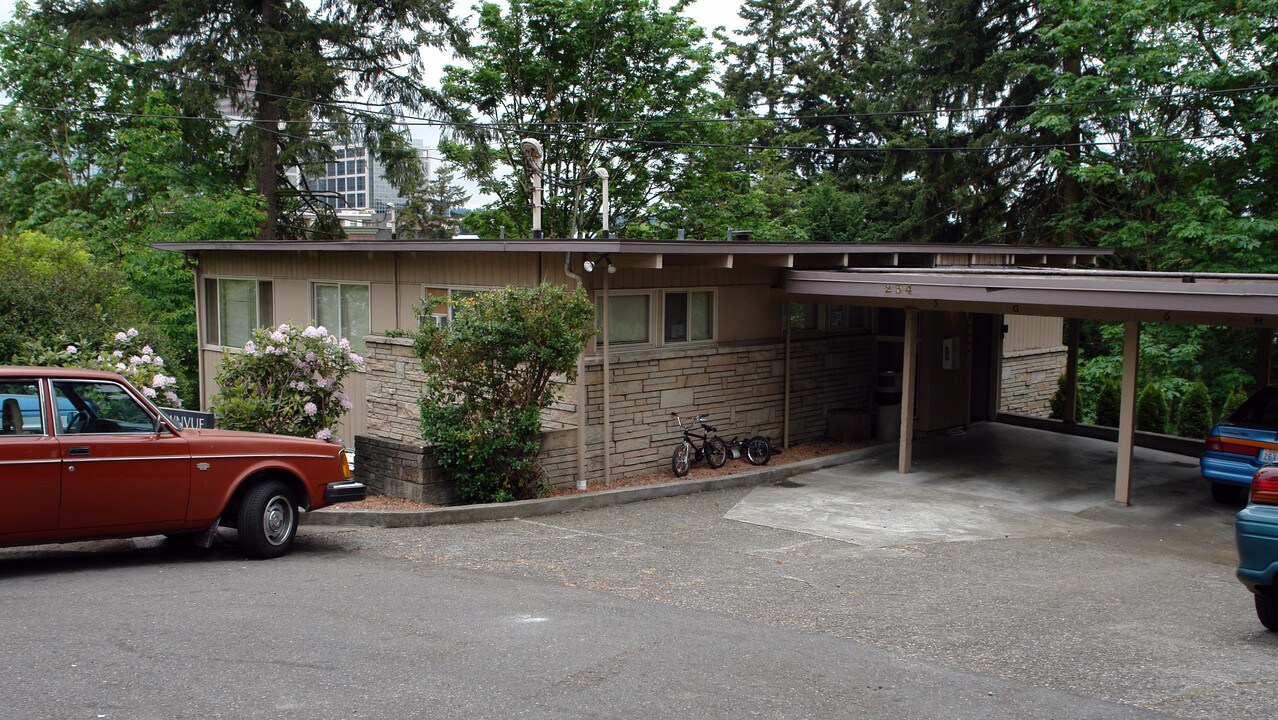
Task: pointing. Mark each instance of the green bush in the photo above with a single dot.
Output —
(1057, 403)
(126, 353)
(1236, 397)
(1151, 410)
(1194, 418)
(287, 381)
(1109, 403)
(490, 372)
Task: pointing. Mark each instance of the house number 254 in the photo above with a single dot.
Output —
(891, 289)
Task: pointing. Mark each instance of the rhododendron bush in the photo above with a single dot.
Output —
(126, 353)
(287, 380)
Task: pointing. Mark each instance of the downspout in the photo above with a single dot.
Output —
(200, 306)
(607, 386)
(785, 407)
(581, 392)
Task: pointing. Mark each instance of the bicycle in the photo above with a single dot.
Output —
(757, 450)
(712, 449)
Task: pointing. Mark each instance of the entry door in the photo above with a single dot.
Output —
(116, 470)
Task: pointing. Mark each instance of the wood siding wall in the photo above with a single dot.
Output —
(1028, 332)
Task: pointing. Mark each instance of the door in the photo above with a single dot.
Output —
(30, 469)
(117, 471)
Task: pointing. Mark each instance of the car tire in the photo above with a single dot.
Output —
(1228, 494)
(681, 461)
(1267, 611)
(267, 520)
(716, 452)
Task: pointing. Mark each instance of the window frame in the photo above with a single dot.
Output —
(443, 319)
(213, 333)
(653, 328)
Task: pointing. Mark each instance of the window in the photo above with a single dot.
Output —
(360, 167)
(437, 308)
(233, 308)
(804, 316)
(689, 316)
(99, 407)
(359, 183)
(21, 408)
(628, 318)
(343, 309)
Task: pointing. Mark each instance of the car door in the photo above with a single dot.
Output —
(30, 468)
(117, 470)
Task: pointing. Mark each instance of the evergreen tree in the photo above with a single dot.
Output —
(285, 67)
(1151, 410)
(1109, 404)
(1194, 419)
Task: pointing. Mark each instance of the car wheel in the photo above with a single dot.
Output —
(1228, 494)
(1267, 611)
(267, 520)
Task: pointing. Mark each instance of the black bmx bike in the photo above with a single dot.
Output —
(696, 447)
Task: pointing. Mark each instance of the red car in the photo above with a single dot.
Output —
(83, 456)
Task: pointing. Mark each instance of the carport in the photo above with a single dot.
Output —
(1246, 300)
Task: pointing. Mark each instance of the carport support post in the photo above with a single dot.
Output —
(1127, 413)
(905, 456)
(1072, 327)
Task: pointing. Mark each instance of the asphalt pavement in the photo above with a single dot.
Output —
(1001, 592)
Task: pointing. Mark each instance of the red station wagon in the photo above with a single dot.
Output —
(84, 456)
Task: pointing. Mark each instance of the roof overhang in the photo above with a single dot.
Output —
(1189, 298)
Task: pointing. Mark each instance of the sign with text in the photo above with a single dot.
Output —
(189, 418)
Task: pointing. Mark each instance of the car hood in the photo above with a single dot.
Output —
(245, 440)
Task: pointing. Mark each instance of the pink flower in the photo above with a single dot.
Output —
(324, 434)
(310, 409)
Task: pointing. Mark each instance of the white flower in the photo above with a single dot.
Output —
(324, 434)
(310, 409)
(149, 392)
(133, 332)
(71, 350)
(344, 344)
(250, 347)
(311, 332)
(118, 353)
(146, 350)
(120, 367)
(345, 401)
(121, 337)
(279, 337)
(135, 360)
(173, 398)
(157, 361)
(356, 359)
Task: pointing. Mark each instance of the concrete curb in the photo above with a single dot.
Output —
(586, 501)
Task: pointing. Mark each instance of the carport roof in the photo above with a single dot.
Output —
(1189, 298)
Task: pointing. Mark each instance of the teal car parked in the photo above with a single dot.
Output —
(1256, 531)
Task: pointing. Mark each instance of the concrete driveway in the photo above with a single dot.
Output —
(991, 482)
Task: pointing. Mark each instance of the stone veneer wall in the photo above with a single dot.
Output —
(740, 386)
(1029, 380)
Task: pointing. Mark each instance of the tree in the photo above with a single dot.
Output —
(1194, 418)
(1151, 410)
(54, 292)
(1109, 404)
(490, 373)
(579, 76)
(428, 213)
(287, 68)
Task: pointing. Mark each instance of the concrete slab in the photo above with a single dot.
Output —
(993, 481)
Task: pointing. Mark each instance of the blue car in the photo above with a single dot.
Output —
(1241, 445)
(1256, 531)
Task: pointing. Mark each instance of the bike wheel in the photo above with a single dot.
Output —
(758, 450)
(681, 461)
(716, 451)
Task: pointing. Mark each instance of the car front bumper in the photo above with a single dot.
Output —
(1256, 531)
(344, 491)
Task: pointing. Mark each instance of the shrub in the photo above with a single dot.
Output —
(1151, 410)
(1194, 419)
(287, 381)
(1057, 403)
(1109, 403)
(125, 353)
(490, 372)
(1236, 397)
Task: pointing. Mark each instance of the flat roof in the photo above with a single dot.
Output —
(656, 254)
(1189, 298)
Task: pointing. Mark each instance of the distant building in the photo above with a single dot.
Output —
(354, 180)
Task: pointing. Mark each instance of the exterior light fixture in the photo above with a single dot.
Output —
(603, 175)
(590, 265)
(531, 148)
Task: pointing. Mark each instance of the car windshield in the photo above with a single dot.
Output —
(1261, 408)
